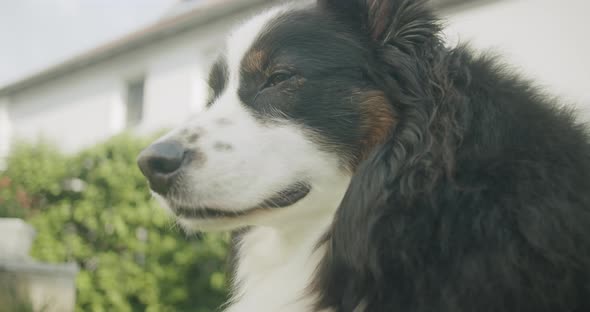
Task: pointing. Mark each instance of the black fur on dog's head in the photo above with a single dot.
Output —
(330, 81)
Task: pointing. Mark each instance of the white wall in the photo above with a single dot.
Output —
(546, 40)
(71, 112)
(87, 106)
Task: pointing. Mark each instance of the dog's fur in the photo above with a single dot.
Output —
(439, 181)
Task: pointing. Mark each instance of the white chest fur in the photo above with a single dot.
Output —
(275, 268)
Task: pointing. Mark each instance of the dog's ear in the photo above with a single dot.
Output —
(397, 22)
(352, 269)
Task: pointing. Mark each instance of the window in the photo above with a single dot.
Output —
(4, 133)
(135, 95)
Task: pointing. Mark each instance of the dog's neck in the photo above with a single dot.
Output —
(275, 268)
(276, 264)
(276, 260)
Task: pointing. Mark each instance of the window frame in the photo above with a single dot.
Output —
(135, 101)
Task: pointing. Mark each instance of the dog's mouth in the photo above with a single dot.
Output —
(282, 199)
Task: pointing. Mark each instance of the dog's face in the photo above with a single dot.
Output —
(291, 114)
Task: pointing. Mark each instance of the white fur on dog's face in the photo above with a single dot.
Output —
(240, 160)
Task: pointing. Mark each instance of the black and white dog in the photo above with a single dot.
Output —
(368, 167)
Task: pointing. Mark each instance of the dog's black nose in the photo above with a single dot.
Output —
(159, 163)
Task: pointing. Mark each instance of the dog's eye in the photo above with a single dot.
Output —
(278, 77)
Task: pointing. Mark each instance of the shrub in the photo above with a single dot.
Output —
(35, 170)
(94, 208)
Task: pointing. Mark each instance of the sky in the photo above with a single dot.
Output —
(35, 34)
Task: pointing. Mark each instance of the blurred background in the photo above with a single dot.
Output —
(85, 84)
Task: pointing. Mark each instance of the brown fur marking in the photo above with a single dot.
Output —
(254, 61)
(377, 120)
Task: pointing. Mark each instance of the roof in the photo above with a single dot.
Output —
(206, 11)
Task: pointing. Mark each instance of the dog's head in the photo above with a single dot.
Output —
(297, 101)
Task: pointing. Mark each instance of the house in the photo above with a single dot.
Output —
(154, 77)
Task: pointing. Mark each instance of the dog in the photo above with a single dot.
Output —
(365, 166)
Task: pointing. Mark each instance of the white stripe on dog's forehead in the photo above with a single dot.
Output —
(241, 40)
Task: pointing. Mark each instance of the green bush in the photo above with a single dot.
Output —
(94, 208)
